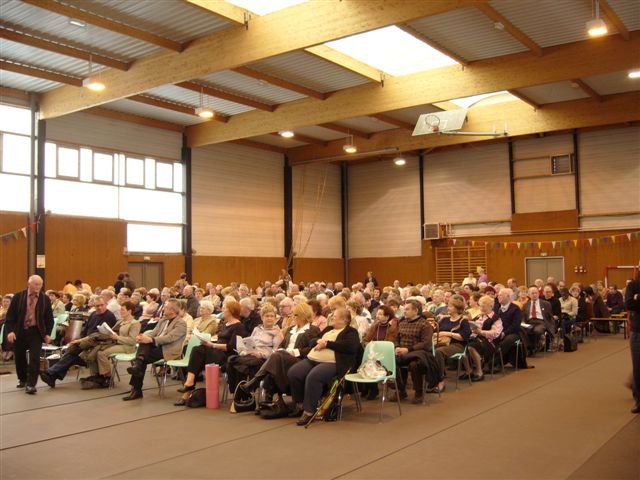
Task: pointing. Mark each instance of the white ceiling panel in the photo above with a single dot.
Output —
(189, 97)
(47, 23)
(617, 82)
(26, 83)
(242, 85)
(411, 114)
(309, 71)
(277, 141)
(35, 57)
(366, 124)
(149, 111)
(553, 92)
(628, 11)
(548, 22)
(320, 133)
(468, 33)
(175, 20)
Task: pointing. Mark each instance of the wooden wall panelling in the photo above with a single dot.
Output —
(320, 269)
(224, 270)
(388, 269)
(537, 221)
(84, 248)
(13, 254)
(504, 263)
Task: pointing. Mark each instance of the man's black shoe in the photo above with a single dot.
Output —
(135, 371)
(133, 395)
(31, 390)
(47, 378)
(21, 384)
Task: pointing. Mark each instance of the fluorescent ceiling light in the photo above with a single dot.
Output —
(286, 133)
(264, 7)
(467, 102)
(77, 23)
(634, 74)
(392, 51)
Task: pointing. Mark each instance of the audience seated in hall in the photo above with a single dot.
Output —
(218, 350)
(305, 335)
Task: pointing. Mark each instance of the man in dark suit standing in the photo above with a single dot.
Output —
(538, 314)
(29, 323)
(370, 279)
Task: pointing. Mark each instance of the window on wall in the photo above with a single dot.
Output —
(98, 183)
(15, 158)
(154, 238)
(16, 154)
(134, 171)
(68, 159)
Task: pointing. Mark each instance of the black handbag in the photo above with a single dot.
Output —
(570, 342)
(242, 401)
(197, 399)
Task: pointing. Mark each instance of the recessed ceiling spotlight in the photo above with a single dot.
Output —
(399, 161)
(77, 23)
(286, 133)
(634, 73)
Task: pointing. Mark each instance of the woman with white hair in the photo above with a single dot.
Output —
(206, 322)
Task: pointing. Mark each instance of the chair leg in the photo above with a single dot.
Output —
(357, 395)
(114, 372)
(384, 395)
(164, 381)
(517, 355)
(225, 388)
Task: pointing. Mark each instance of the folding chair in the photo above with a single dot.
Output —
(119, 357)
(388, 360)
(460, 357)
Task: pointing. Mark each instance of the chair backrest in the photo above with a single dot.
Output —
(193, 342)
(386, 355)
(57, 321)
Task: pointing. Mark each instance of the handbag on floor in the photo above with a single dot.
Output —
(242, 401)
(570, 342)
(197, 399)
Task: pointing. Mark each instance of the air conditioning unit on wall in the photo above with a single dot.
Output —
(433, 231)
